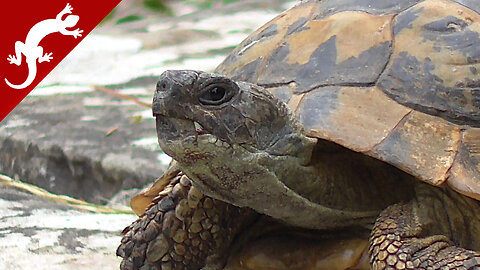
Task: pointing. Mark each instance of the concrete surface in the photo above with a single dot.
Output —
(40, 234)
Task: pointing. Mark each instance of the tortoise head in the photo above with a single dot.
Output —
(226, 134)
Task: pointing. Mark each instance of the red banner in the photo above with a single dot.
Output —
(36, 36)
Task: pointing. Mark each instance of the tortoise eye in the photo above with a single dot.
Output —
(215, 95)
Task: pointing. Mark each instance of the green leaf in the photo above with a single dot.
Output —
(129, 18)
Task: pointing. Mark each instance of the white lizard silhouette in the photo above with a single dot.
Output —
(32, 51)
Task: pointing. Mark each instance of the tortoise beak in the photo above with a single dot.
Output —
(171, 107)
(172, 92)
(172, 129)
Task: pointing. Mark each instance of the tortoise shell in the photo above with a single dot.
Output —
(395, 80)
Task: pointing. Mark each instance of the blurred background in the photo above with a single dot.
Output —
(79, 133)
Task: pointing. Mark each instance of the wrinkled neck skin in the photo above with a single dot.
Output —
(251, 178)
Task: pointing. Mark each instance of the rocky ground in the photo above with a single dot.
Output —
(70, 138)
(40, 234)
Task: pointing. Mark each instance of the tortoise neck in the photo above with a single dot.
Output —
(342, 179)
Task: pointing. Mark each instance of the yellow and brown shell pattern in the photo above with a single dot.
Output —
(396, 80)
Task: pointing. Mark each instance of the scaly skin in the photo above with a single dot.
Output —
(182, 229)
(414, 235)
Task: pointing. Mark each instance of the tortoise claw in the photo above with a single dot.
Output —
(397, 243)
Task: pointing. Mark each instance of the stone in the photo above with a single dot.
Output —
(36, 233)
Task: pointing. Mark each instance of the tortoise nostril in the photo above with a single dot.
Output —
(161, 85)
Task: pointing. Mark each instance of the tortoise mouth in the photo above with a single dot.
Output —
(173, 132)
(175, 125)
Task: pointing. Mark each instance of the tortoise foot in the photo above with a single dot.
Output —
(398, 241)
(181, 229)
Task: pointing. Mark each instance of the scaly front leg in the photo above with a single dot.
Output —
(182, 229)
(424, 233)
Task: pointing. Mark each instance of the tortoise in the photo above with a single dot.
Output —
(337, 114)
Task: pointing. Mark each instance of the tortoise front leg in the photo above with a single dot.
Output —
(182, 229)
(424, 233)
